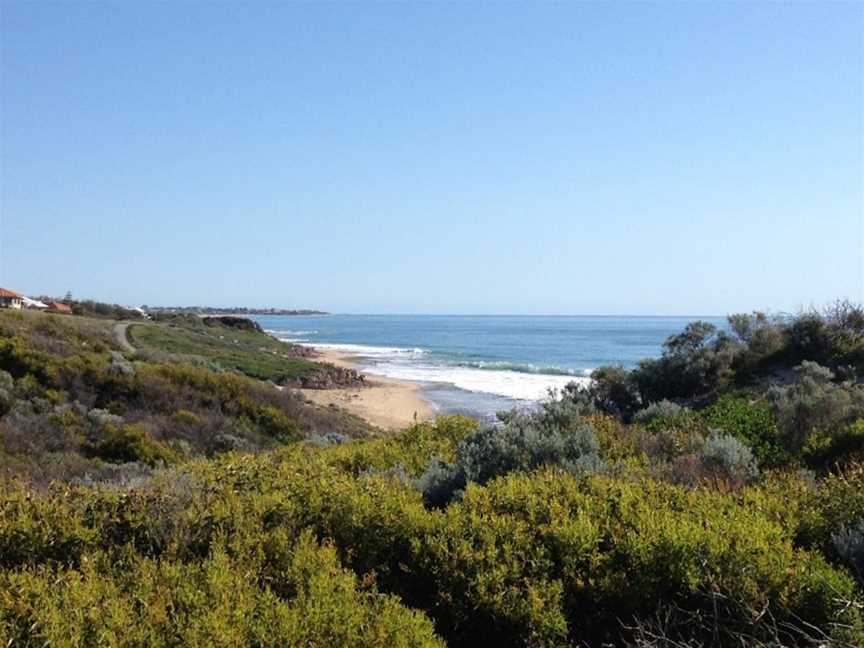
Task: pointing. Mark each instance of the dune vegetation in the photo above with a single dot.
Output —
(713, 496)
(251, 352)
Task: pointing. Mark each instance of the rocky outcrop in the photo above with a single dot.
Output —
(233, 322)
(299, 351)
(330, 377)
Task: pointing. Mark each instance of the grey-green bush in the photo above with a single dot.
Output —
(814, 403)
(552, 436)
(726, 457)
(849, 545)
(663, 409)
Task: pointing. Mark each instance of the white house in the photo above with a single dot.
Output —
(9, 299)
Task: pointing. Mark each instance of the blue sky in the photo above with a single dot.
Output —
(664, 158)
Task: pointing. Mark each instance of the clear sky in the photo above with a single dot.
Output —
(670, 158)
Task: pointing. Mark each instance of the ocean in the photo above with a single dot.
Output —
(483, 364)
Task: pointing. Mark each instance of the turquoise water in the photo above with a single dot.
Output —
(481, 364)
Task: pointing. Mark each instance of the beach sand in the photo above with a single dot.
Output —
(387, 403)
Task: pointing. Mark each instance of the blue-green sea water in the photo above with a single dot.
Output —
(482, 364)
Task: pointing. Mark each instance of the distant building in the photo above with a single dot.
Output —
(9, 299)
(59, 307)
(33, 303)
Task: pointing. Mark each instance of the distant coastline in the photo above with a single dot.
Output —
(241, 310)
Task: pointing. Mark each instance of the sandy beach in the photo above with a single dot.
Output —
(387, 403)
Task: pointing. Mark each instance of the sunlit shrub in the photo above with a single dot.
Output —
(218, 602)
(19, 359)
(185, 417)
(275, 424)
(129, 443)
(543, 557)
(102, 418)
(41, 529)
(411, 448)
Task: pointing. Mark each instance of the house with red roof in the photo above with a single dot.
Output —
(10, 299)
(59, 307)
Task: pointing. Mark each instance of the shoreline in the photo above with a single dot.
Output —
(387, 403)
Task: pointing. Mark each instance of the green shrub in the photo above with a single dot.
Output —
(829, 451)
(837, 501)
(219, 602)
(411, 448)
(694, 363)
(545, 558)
(185, 417)
(612, 390)
(276, 425)
(41, 529)
(130, 442)
(539, 558)
(682, 420)
(19, 359)
(751, 423)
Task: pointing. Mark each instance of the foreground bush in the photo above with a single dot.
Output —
(298, 595)
(542, 557)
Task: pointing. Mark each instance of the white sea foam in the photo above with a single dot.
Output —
(370, 351)
(408, 364)
(290, 336)
(507, 383)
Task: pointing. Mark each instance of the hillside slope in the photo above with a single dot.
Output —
(72, 405)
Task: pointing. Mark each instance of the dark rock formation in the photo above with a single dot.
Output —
(298, 350)
(330, 377)
(232, 322)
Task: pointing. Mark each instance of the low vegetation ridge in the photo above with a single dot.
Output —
(236, 310)
(713, 496)
(229, 342)
(74, 407)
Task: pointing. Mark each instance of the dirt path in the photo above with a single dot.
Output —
(120, 330)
